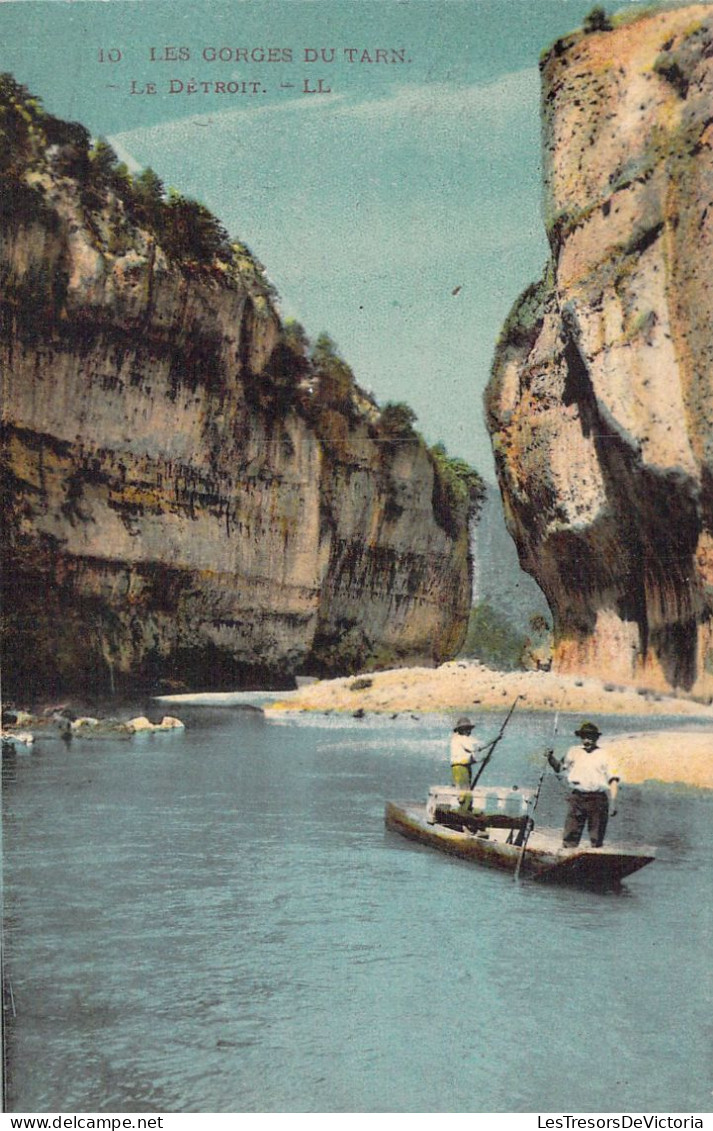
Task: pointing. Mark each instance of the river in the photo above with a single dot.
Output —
(217, 921)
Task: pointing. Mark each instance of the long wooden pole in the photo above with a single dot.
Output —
(530, 822)
(494, 743)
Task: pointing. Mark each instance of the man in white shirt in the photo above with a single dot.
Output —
(593, 783)
(464, 750)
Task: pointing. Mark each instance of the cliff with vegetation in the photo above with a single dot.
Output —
(193, 493)
(600, 404)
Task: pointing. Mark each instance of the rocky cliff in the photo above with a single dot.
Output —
(186, 497)
(600, 404)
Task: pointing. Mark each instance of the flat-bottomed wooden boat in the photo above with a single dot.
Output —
(491, 839)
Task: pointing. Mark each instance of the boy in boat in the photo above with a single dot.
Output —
(464, 750)
(593, 783)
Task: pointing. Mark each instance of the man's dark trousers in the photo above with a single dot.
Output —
(591, 809)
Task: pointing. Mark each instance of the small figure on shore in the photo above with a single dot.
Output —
(465, 748)
(64, 717)
(593, 782)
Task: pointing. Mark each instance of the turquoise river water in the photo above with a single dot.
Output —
(218, 921)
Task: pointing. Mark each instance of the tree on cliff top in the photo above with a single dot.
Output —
(188, 230)
(27, 130)
(596, 20)
(145, 197)
(396, 421)
(334, 378)
(33, 140)
(296, 337)
(465, 486)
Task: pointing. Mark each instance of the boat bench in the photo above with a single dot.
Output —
(496, 800)
(480, 822)
(476, 810)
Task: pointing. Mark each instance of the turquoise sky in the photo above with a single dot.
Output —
(369, 205)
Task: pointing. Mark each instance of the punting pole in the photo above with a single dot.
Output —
(6, 1002)
(531, 814)
(494, 743)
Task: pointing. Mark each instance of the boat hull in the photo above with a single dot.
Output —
(543, 859)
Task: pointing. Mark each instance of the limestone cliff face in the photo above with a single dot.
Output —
(174, 509)
(601, 400)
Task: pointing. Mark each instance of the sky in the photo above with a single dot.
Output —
(381, 158)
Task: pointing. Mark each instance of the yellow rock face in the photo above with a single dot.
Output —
(166, 519)
(601, 401)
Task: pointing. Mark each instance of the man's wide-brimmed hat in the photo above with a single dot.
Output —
(588, 730)
(463, 724)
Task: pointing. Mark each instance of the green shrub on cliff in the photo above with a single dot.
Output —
(396, 421)
(522, 324)
(519, 334)
(462, 482)
(20, 115)
(251, 270)
(33, 140)
(20, 203)
(670, 70)
(24, 124)
(596, 20)
(103, 160)
(186, 229)
(27, 131)
(276, 388)
(334, 379)
(144, 196)
(295, 337)
(17, 114)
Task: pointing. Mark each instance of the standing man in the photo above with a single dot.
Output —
(464, 750)
(593, 783)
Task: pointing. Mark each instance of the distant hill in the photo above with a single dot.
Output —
(498, 579)
(505, 598)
